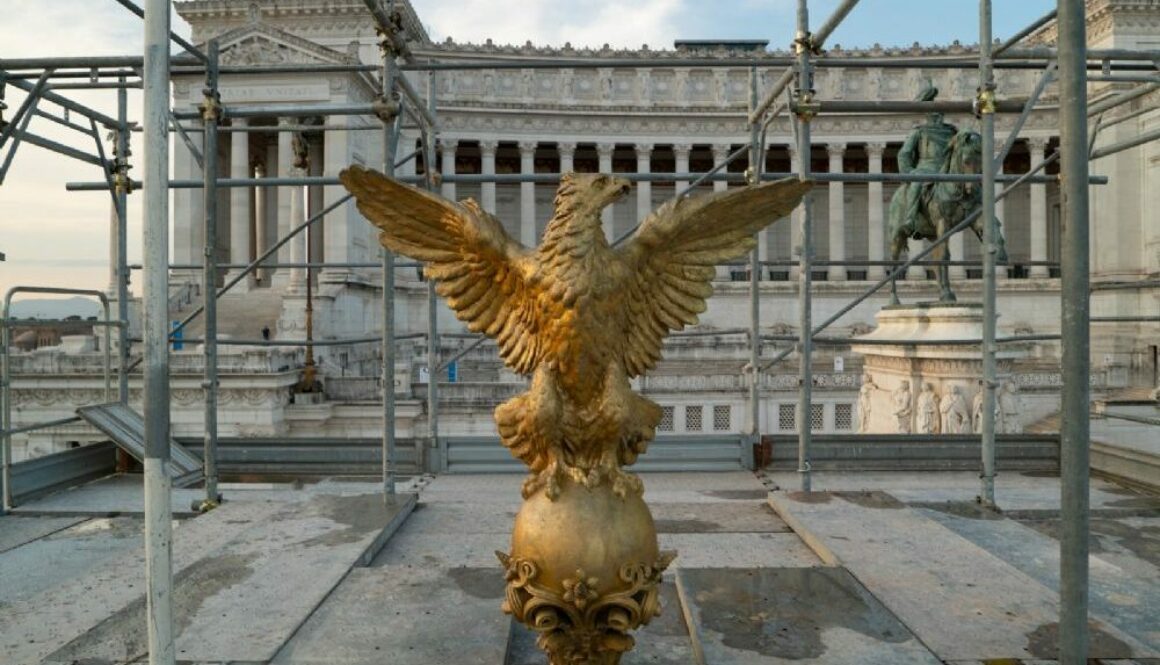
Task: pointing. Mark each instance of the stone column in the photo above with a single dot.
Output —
(344, 224)
(296, 215)
(487, 148)
(604, 153)
(876, 242)
(240, 212)
(567, 151)
(681, 152)
(448, 147)
(316, 246)
(795, 220)
(837, 192)
(643, 189)
(720, 153)
(1037, 146)
(260, 212)
(282, 164)
(188, 218)
(528, 194)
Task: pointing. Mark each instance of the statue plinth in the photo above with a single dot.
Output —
(903, 354)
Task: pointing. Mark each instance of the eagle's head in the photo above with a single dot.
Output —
(585, 195)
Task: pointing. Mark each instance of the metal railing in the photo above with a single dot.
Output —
(6, 325)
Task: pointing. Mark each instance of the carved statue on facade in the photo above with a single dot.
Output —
(902, 407)
(1009, 405)
(582, 318)
(955, 417)
(977, 411)
(865, 402)
(927, 418)
(929, 210)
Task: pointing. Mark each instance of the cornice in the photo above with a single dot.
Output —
(1106, 16)
(450, 48)
(218, 15)
(709, 129)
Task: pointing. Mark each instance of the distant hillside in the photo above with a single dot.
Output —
(55, 308)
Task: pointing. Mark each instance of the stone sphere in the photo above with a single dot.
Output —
(589, 530)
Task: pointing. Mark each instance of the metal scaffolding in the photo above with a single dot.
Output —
(398, 99)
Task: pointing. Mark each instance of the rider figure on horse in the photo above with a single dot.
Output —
(925, 151)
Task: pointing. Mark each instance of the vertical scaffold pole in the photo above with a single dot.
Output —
(985, 107)
(211, 116)
(1076, 360)
(752, 177)
(120, 200)
(432, 300)
(390, 147)
(804, 94)
(158, 511)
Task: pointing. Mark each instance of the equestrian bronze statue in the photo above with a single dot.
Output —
(928, 210)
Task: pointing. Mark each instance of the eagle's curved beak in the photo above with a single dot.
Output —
(618, 189)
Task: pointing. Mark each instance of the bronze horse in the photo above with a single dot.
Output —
(942, 206)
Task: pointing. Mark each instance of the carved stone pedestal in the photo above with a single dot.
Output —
(904, 354)
(584, 571)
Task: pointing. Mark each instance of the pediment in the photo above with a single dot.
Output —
(260, 44)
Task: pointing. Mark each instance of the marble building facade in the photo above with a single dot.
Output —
(644, 119)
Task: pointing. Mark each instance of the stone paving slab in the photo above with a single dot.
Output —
(17, 530)
(738, 550)
(32, 629)
(664, 641)
(406, 615)
(114, 495)
(474, 550)
(961, 601)
(449, 518)
(245, 599)
(731, 517)
(1116, 596)
(65, 555)
(1014, 491)
(1129, 543)
(759, 616)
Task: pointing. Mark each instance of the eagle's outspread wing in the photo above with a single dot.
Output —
(481, 271)
(672, 259)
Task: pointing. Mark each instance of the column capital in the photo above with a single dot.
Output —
(488, 146)
(566, 147)
(682, 150)
(643, 149)
(875, 149)
(448, 145)
(605, 148)
(836, 149)
(527, 146)
(286, 121)
(720, 151)
(1037, 145)
(239, 122)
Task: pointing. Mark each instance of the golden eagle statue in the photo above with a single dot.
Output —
(580, 316)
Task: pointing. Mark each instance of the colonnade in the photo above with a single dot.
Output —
(271, 214)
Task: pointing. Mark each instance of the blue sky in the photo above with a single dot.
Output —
(54, 238)
(659, 22)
